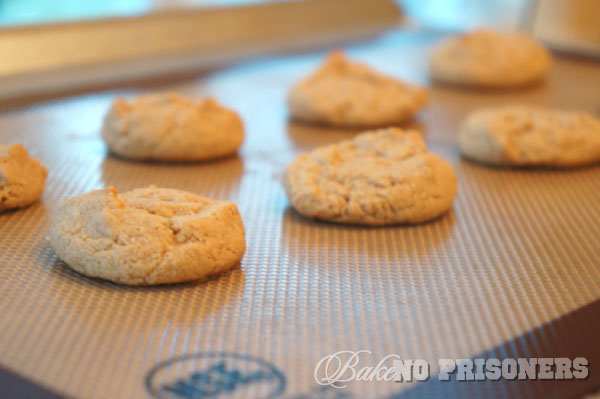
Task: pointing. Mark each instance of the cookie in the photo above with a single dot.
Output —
(530, 136)
(349, 94)
(147, 236)
(488, 59)
(380, 177)
(22, 178)
(170, 127)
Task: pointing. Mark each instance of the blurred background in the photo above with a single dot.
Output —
(51, 45)
(442, 14)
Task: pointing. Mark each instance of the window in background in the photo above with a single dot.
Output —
(451, 15)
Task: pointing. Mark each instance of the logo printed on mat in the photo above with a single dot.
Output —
(215, 375)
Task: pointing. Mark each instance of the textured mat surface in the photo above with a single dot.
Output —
(518, 249)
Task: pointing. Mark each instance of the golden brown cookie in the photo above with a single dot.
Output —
(380, 177)
(22, 178)
(488, 59)
(148, 235)
(171, 127)
(347, 93)
(527, 135)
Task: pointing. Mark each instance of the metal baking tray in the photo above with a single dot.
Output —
(518, 251)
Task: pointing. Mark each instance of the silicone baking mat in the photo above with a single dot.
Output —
(519, 248)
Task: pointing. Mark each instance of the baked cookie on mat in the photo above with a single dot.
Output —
(148, 236)
(171, 127)
(489, 59)
(22, 178)
(380, 177)
(350, 94)
(525, 135)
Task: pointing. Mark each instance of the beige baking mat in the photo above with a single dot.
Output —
(519, 247)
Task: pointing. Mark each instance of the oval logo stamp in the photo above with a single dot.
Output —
(215, 375)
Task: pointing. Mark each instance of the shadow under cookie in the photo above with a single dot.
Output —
(190, 301)
(437, 231)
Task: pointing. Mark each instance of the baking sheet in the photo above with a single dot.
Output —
(518, 249)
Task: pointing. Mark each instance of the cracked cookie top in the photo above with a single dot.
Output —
(171, 127)
(347, 93)
(147, 236)
(385, 176)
